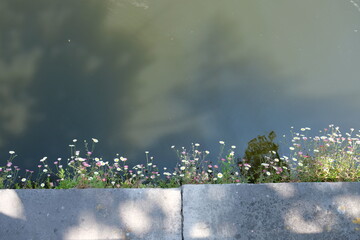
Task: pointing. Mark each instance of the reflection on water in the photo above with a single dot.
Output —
(144, 75)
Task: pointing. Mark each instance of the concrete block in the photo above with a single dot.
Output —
(278, 211)
(90, 214)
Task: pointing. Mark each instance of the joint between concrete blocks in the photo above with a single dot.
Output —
(182, 212)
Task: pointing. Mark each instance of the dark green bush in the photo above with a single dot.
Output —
(263, 149)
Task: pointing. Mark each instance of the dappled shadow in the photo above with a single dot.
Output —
(91, 214)
(272, 211)
(229, 211)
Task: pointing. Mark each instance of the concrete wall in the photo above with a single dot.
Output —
(272, 211)
(90, 214)
(231, 211)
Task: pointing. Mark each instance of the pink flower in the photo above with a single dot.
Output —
(237, 180)
(89, 153)
(9, 164)
(104, 179)
(85, 164)
(216, 166)
(98, 164)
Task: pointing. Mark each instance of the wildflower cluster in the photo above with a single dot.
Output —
(329, 156)
(195, 168)
(95, 172)
(9, 172)
(272, 169)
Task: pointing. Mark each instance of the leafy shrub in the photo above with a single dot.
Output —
(261, 162)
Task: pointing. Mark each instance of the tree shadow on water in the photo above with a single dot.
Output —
(77, 79)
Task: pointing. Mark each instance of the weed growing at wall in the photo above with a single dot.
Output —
(330, 156)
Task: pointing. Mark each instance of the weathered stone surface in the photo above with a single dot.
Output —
(90, 214)
(278, 211)
(329, 211)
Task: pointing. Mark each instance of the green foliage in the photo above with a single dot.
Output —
(328, 157)
(67, 184)
(264, 160)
